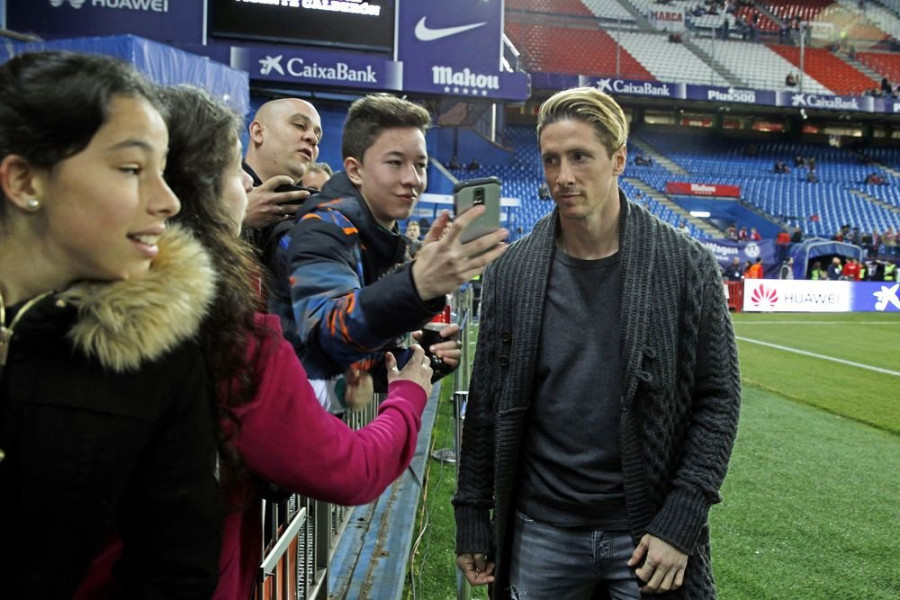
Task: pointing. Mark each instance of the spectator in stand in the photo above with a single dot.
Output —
(811, 176)
(316, 176)
(781, 167)
(643, 161)
(473, 165)
(790, 80)
(544, 192)
(743, 236)
(890, 241)
(754, 235)
(886, 88)
(874, 178)
(733, 272)
(454, 163)
(850, 271)
(835, 269)
(756, 270)
(787, 269)
(799, 161)
(866, 242)
(782, 245)
(816, 273)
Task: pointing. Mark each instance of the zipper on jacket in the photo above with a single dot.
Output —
(6, 333)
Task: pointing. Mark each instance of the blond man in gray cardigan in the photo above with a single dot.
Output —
(605, 394)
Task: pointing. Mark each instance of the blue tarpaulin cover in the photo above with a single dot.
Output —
(160, 63)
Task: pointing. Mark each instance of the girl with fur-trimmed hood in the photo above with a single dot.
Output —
(104, 426)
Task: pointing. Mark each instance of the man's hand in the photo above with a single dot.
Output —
(266, 207)
(663, 568)
(476, 568)
(449, 350)
(443, 263)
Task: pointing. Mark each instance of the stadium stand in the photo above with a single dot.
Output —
(555, 7)
(572, 50)
(820, 209)
(668, 61)
(825, 67)
(756, 65)
(886, 64)
(608, 10)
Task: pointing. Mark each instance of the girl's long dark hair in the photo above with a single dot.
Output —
(203, 133)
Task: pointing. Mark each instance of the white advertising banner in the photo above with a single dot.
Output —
(797, 295)
(667, 18)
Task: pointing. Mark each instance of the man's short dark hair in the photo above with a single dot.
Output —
(371, 115)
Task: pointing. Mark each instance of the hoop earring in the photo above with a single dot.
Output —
(32, 205)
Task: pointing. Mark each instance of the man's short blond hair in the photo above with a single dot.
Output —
(591, 106)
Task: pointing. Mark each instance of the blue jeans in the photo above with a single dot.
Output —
(570, 564)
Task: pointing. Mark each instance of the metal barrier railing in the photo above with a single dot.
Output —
(301, 534)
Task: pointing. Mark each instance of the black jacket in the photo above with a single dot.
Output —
(106, 428)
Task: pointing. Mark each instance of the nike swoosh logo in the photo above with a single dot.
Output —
(426, 34)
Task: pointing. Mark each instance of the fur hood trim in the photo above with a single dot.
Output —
(126, 323)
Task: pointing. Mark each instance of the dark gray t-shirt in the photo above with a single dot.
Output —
(572, 474)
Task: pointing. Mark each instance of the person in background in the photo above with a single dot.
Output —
(413, 241)
(787, 269)
(755, 271)
(104, 423)
(835, 269)
(851, 270)
(782, 245)
(316, 176)
(816, 273)
(272, 429)
(590, 467)
(284, 141)
(734, 272)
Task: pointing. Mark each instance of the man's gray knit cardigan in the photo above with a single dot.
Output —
(680, 403)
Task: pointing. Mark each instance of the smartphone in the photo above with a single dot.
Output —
(478, 192)
(296, 188)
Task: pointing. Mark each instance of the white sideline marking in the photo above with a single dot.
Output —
(822, 356)
(817, 322)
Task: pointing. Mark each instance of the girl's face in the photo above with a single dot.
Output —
(238, 184)
(104, 209)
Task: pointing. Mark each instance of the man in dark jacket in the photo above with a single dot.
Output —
(604, 400)
(351, 296)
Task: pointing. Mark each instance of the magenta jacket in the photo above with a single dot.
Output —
(285, 437)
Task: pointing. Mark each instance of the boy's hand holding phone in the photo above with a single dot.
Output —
(445, 262)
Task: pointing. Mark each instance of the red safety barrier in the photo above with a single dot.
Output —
(734, 290)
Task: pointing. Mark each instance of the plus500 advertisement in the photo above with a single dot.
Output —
(773, 295)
